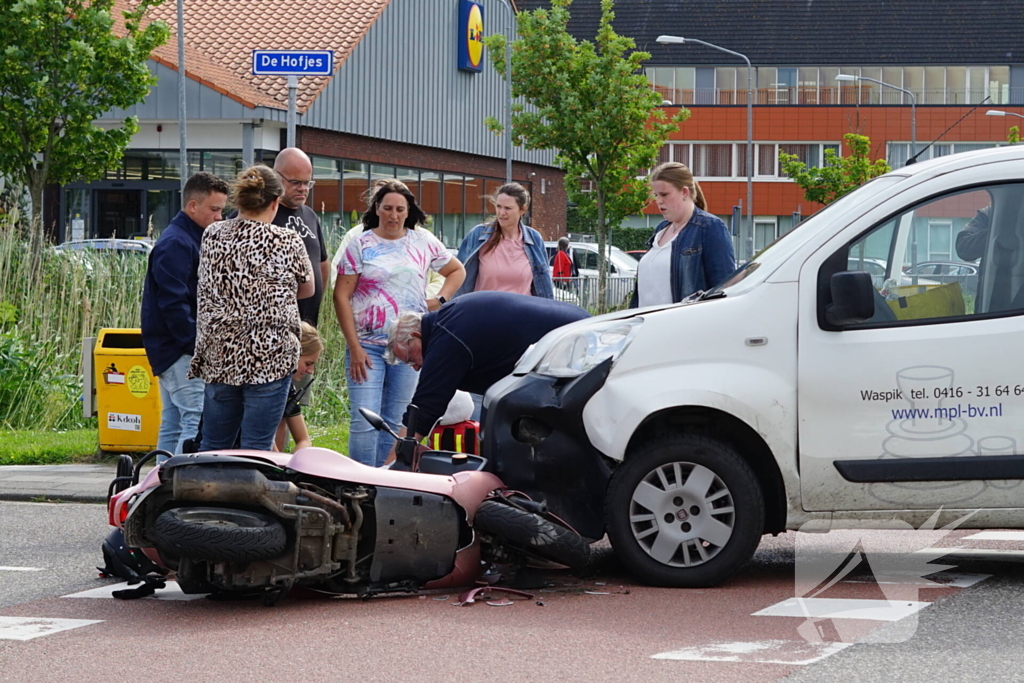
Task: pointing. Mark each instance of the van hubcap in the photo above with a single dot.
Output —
(682, 514)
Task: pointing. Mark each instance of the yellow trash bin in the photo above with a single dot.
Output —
(127, 393)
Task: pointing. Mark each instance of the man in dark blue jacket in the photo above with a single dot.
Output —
(169, 308)
(470, 343)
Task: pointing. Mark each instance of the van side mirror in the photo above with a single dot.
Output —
(853, 298)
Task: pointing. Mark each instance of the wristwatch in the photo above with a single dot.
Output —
(442, 300)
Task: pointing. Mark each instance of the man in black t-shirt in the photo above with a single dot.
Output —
(296, 173)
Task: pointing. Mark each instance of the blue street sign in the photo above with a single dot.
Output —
(292, 62)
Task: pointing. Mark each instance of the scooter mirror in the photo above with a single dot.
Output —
(376, 421)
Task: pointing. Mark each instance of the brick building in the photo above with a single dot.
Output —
(399, 104)
(947, 62)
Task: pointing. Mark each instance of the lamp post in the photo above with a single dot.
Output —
(508, 90)
(182, 138)
(996, 112)
(999, 112)
(913, 106)
(748, 242)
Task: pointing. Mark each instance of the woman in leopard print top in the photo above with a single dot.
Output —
(251, 275)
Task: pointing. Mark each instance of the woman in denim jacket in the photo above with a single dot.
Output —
(506, 256)
(690, 251)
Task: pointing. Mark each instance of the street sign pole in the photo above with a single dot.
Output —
(293, 64)
(293, 87)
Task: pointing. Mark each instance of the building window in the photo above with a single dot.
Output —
(728, 160)
(899, 152)
(809, 85)
(712, 160)
(765, 232)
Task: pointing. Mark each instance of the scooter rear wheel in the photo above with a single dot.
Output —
(219, 534)
(531, 534)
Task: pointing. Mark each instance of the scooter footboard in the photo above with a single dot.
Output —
(417, 535)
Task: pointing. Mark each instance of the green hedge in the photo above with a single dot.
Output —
(627, 239)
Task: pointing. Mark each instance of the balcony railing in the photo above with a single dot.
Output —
(836, 95)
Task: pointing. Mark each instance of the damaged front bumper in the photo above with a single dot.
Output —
(535, 441)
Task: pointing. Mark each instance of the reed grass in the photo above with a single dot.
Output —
(48, 305)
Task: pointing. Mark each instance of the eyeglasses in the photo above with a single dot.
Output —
(299, 183)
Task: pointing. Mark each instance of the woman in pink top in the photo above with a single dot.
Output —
(506, 256)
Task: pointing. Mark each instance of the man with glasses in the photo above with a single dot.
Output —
(296, 173)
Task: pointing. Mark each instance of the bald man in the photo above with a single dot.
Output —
(296, 173)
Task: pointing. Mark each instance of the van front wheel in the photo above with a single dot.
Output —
(684, 511)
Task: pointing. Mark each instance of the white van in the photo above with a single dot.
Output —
(798, 389)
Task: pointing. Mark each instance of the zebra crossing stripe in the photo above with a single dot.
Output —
(790, 652)
(27, 628)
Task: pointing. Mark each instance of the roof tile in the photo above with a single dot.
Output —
(220, 36)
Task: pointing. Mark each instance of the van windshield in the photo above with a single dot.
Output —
(785, 244)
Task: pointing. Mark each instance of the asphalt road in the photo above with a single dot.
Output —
(597, 626)
(61, 541)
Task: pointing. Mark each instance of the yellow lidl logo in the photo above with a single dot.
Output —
(475, 35)
(471, 36)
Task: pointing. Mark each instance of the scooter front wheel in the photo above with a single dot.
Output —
(531, 534)
(219, 534)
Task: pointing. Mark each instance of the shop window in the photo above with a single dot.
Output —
(355, 182)
(429, 197)
(325, 197)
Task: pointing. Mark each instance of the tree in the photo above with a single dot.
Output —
(839, 175)
(1013, 136)
(592, 104)
(61, 67)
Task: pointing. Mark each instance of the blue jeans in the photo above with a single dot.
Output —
(387, 391)
(182, 401)
(255, 410)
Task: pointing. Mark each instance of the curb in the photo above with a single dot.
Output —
(34, 497)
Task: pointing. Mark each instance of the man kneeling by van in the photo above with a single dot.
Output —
(469, 344)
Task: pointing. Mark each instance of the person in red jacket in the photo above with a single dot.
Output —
(562, 268)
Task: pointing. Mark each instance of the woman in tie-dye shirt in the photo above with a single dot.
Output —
(384, 272)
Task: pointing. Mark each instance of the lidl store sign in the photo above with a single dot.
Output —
(471, 35)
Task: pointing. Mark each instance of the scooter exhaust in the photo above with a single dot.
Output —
(231, 485)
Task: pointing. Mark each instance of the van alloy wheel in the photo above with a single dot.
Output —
(684, 511)
(682, 514)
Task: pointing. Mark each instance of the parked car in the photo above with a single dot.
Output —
(109, 245)
(584, 288)
(945, 272)
(637, 253)
(793, 393)
(585, 258)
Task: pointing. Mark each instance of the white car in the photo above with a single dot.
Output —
(585, 258)
(795, 392)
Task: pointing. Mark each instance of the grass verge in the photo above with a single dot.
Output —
(44, 447)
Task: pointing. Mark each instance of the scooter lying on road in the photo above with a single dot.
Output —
(261, 522)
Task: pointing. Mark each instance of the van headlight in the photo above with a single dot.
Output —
(582, 349)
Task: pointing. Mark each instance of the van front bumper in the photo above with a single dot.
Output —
(535, 441)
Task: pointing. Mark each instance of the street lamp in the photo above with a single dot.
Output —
(913, 107)
(996, 112)
(182, 138)
(508, 91)
(748, 243)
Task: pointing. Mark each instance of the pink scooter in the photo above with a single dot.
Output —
(262, 522)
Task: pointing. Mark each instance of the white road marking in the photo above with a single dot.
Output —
(991, 554)
(790, 652)
(27, 628)
(995, 536)
(833, 608)
(21, 569)
(171, 592)
(946, 579)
